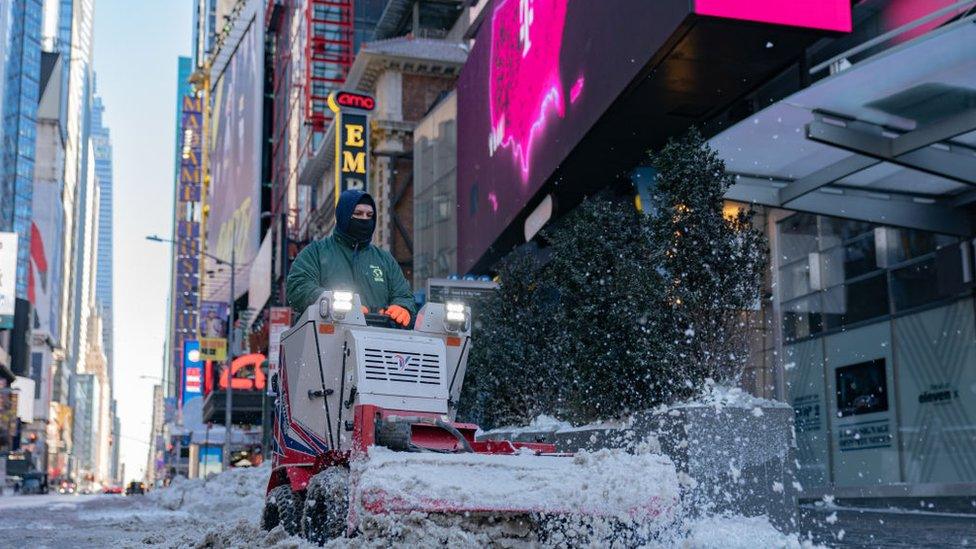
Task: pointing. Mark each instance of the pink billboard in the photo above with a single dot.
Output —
(543, 73)
(832, 15)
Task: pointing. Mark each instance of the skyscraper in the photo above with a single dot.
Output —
(173, 342)
(102, 145)
(21, 89)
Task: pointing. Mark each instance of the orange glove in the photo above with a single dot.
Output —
(399, 315)
(365, 309)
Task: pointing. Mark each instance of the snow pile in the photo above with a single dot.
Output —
(539, 423)
(603, 482)
(239, 491)
(737, 532)
(722, 396)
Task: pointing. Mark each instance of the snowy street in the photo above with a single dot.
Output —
(226, 512)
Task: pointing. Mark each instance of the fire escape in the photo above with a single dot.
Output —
(328, 55)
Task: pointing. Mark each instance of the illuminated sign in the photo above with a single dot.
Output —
(355, 101)
(213, 348)
(247, 373)
(187, 269)
(834, 15)
(543, 73)
(192, 370)
(352, 141)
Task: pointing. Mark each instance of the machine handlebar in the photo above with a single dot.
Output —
(378, 320)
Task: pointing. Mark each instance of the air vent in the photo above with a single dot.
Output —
(401, 366)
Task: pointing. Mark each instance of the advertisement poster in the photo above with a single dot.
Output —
(280, 321)
(213, 348)
(213, 319)
(234, 197)
(8, 278)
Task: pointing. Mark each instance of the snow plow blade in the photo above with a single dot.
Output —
(518, 496)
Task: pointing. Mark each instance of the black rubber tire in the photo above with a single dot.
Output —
(269, 517)
(326, 508)
(283, 507)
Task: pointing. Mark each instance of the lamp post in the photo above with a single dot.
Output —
(225, 462)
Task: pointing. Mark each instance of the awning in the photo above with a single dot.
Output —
(890, 140)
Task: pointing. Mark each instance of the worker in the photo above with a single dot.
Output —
(347, 260)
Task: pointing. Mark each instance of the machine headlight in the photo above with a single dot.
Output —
(324, 308)
(455, 312)
(341, 302)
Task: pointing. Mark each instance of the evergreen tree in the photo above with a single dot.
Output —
(628, 311)
(506, 353)
(713, 262)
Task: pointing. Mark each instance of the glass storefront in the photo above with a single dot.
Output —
(880, 345)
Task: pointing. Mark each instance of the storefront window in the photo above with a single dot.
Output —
(795, 279)
(905, 244)
(797, 237)
(859, 257)
(856, 302)
(837, 231)
(933, 278)
(801, 318)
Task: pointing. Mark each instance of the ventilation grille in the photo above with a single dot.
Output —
(403, 367)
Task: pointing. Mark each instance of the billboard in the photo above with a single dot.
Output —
(44, 276)
(542, 73)
(213, 319)
(234, 195)
(8, 279)
(192, 371)
(535, 82)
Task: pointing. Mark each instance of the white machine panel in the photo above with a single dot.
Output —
(399, 365)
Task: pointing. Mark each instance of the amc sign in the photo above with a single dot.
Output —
(348, 100)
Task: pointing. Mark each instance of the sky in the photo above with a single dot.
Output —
(136, 49)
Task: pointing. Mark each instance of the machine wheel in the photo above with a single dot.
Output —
(284, 507)
(326, 505)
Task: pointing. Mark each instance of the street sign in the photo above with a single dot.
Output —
(280, 321)
(213, 348)
(8, 278)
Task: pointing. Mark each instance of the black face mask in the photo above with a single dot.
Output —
(360, 230)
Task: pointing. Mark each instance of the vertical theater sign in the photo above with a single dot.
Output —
(186, 279)
(352, 140)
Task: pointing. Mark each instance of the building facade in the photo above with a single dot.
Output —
(102, 146)
(21, 92)
(866, 319)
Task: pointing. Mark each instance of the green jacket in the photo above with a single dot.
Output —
(333, 264)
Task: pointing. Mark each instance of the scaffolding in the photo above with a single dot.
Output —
(328, 55)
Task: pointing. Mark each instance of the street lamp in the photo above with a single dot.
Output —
(230, 339)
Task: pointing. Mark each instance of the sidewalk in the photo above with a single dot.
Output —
(847, 527)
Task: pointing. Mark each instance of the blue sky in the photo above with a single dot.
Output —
(136, 49)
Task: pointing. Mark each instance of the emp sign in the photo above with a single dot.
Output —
(352, 140)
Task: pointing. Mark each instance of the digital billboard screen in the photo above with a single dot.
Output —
(234, 195)
(535, 81)
(542, 74)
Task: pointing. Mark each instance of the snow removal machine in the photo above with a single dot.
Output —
(366, 444)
